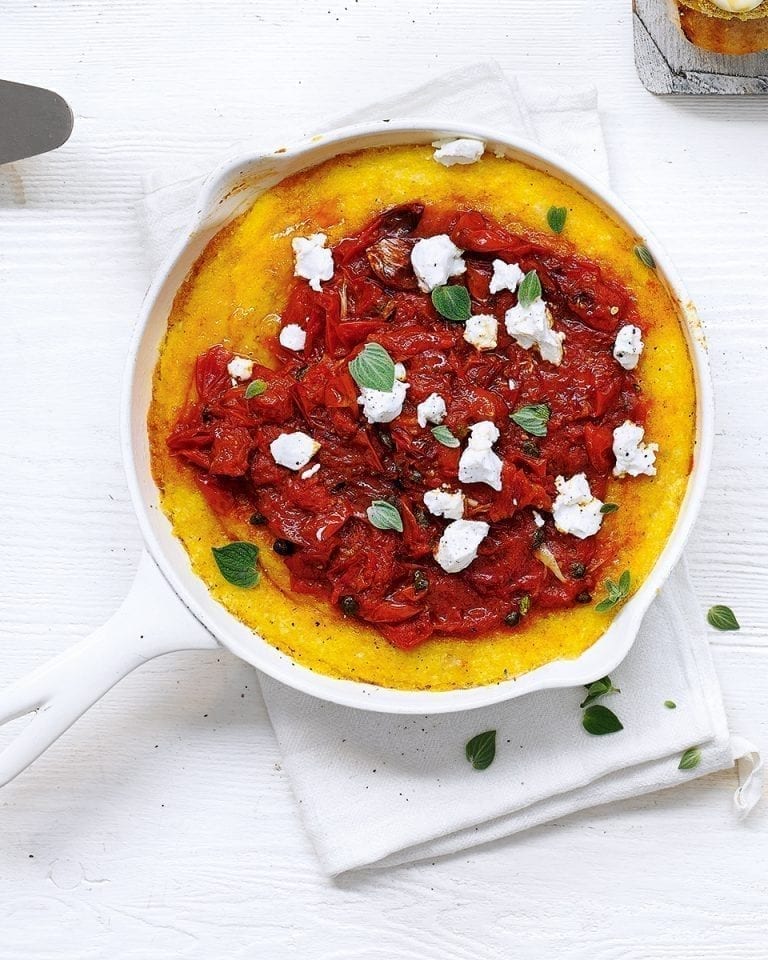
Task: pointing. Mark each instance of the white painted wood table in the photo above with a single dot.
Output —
(162, 825)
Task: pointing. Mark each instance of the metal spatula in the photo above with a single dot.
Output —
(32, 121)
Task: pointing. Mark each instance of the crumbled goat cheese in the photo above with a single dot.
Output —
(538, 519)
(434, 260)
(293, 450)
(313, 261)
(311, 472)
(458, 545)
(628, 347)
(633, 457)
(462, 150)
(532, 327)
(478, 463)
(574, 509)
(506, 276)
(482, 331)
(431, 410)
(382, 406)
(240, 368)
(400, 371)
(293, 337)
(442, 503)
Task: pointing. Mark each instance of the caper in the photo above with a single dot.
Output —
(257, 519)
(584, 597)
(420, 581)
(530, 449)
(349, 606)
(512, 618)
(284, 547)
(578, 570)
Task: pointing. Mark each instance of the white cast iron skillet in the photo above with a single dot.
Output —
(169, 608)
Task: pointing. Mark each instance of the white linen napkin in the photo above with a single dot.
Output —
(380, 790)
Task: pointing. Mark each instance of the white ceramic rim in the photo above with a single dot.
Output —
(226, 193)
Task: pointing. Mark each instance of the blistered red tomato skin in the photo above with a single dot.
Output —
(373, 297)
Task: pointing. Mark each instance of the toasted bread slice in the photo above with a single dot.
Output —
(711, 28)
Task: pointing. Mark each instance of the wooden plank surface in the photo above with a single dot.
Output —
(162, 825)
(668, 63)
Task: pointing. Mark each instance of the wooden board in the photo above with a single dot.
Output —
(668, 63)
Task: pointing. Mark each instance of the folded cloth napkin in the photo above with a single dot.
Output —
(380, 790)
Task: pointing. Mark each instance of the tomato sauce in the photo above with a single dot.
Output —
(390, 579)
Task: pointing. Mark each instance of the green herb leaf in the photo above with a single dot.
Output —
(525, 604)
(443, 435)
(482, 749)
(255, 389)
(237, 563)
(722, 618)
(645, 256)
(617, 592)
(556, 217)
(532, 418)
(452, 302)
(609, 508)
(599, 720)
(670, 705)
(384, 516)
(529, 289)
(690, 759)
(600, 688)
(373, 368)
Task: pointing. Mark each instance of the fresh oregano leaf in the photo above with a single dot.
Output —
(443, 435)
(384, 516)
(600, 688)
(645, 256)
(373, 368)
(722, 618)
(529, 289)
(599, 720)
(532, 418)
(690, 759)
(670, 705)
(481, 750)
(609, 508)
(617, 592)
(237, 563)
(556, 217)
(255, 389)
(452, 302)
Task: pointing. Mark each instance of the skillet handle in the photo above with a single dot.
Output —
(150, 622)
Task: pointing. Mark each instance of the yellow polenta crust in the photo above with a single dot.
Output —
(234, 294)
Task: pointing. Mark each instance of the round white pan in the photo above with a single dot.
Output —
(169, 608)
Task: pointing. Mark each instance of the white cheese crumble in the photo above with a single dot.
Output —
(633, 457)
(400, 371)
(478, 463)
(443, 503)
(311, 472)
(538, 519)
(240, 368)
(435, 260)
(313, 261)
(461, 150)
(506, 276)
(532, 327)
(293, 337)
(458, 545)
(382, 406)
(293, 450)
(628, 347)
(574, 509)
(431, 410)
(482, 331)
